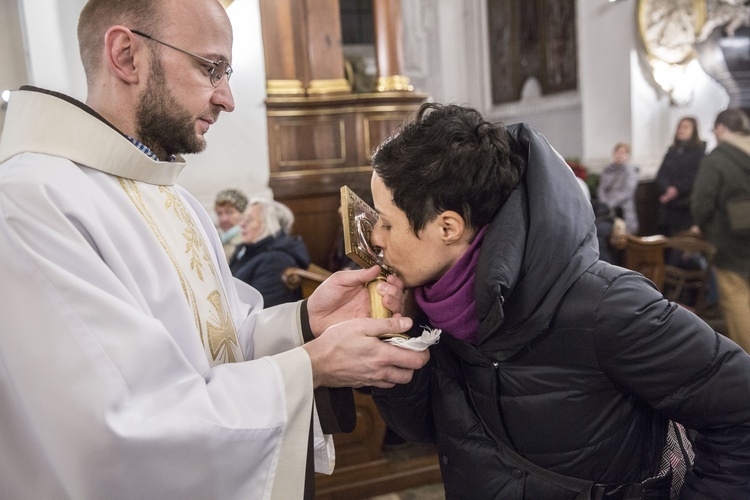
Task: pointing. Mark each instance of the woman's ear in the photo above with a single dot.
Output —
(123, 56)
(452, 227)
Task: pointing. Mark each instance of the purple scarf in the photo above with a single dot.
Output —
(449, 302)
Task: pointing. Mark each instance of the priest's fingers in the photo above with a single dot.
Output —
(349, 354)
(357, 278)
(377, 327)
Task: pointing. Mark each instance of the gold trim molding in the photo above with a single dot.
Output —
(328, 86)
(293, 174)
(284, 87)
(394, 82)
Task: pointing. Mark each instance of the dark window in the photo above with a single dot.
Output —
(357, 25)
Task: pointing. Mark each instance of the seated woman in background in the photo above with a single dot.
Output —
(229, 206)
(676, 175)
(617, 185)
(267, 249)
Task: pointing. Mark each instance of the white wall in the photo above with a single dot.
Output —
(12, 59)
(605, 37)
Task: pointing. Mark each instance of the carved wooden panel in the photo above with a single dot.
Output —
(309, 143)
(531, 39)
(504, 66)
(377, 128)
(560, 57)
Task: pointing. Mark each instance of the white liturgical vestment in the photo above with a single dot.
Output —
(132, 364)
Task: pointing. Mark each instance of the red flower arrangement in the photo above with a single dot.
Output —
(578, 169)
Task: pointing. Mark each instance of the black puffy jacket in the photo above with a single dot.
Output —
(582, 362)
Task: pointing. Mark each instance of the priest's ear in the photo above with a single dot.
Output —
(127, 56)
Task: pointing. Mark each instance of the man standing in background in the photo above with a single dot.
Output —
(723, 180)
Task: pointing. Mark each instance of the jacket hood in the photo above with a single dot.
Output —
(280, 242)
(540, 242)
(741, 142)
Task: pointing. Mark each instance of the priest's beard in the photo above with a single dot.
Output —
(163, 125)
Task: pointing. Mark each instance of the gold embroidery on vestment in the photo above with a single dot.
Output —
(221, 334)
(196, 247)
(194, 244)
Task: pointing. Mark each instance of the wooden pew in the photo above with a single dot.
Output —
(644, 254)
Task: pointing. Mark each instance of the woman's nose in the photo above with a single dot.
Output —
(375, 240)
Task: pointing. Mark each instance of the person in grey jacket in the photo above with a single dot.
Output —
(723, 176)
(557, 375)
(617, 185)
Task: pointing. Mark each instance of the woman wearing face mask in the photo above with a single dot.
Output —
(267, 249)
(229, 205)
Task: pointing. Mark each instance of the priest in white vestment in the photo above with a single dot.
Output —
(133, 364)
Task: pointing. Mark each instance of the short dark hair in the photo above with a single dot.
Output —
(449, 158)
(98, 16)
(735, 120)
(623, 145)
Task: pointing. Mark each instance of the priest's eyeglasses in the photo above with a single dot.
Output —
(216, 70)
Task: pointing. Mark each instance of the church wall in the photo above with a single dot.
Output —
(12, 61)
(620, 100)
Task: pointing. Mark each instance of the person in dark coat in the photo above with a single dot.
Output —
(675, 177)
(557, 375)
(723, 178)
(267, 249)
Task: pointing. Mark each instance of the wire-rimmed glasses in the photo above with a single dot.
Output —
(216, 71)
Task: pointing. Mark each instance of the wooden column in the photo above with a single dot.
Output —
(283, 53)
(325, 54)
(302, 47)
(389, 34)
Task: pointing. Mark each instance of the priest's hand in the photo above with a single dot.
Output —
(349, 354)
(344, 296)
